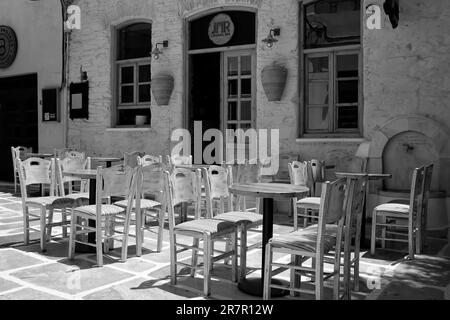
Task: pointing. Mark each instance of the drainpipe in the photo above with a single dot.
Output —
(65, 69)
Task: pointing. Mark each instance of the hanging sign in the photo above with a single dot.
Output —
(221, 29)
(8, 46)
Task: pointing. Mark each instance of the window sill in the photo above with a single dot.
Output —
(331, 140)
(128, 129)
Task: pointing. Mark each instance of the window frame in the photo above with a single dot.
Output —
(116, 76)
(334, 51)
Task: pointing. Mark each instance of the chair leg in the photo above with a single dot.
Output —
(139, 230)
(64, 220)
(295, 278)
(15, 182)
(383, 232)
(410, 239)
(267, 273)
(319, 279)
(26, 225)
(73, 230)
(419, 237)
(243, 254)
(99, 243)
(373, 235)
(337, 271)
(160, 229)
(126, 232)
(295, 214)
(207, 266)
(194, 260)
(43, 229)
(173, 260)
(357, 251)
(49, 225)
(305, 219)
(234, 260)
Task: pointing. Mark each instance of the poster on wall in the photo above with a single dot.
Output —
(79, 100)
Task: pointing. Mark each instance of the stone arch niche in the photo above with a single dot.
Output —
(404, 143)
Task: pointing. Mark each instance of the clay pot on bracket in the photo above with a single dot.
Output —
(162, 87)
(273, 79)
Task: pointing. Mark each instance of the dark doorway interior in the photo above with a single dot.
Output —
(18, 118)
(204, 89)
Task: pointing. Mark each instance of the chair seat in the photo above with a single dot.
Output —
(304, 240)
(107, 210)
(205, 225)
(393, 209)
(240, 217)
(145, 204)
(309, 203)
(50, 202)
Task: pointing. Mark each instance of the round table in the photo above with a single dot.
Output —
(269, 192)
(39, 155)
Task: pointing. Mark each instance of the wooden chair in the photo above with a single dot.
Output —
(181, 186)
(218, 181)
(179, 160)
(74, 160)
(41, 172)
(17, 152)
(131, 158)
(392, 214)
(313, 243)
(117, 181)
(150, 183)
(301, 174)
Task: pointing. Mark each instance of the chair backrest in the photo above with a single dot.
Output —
(426, 186)
(218, 179)
(415, 199)
(149, 160)
(130, 159)
(69, 164)
(152, 176)
(18, 152)
(182, 186)
(36, 171)
(250, 172)
(300, 174)
(318, 170)
(61, 153)
(179, 160)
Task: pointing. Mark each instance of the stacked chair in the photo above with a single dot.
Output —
(17, 153)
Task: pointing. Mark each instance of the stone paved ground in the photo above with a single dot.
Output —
(25, 273)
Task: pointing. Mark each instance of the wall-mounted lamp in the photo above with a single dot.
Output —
(157, 51)
(83, 74)
(270, 40)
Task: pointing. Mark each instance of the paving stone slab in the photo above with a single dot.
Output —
(142, 289)
(28, 294)
(11, 259)
(403, 291)
(6, 285)
(71, 277)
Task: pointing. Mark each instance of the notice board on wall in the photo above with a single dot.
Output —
(50, 105)
(79, 100)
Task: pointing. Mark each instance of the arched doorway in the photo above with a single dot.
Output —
(221, 64)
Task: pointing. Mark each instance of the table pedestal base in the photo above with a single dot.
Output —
(254, 287)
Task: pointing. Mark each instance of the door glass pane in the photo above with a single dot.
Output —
(232, 110)
(246, 110)
(233, 66)
(135, 41)
(318, 118)
(127, 74)
(232, 88)
(348, 117)
(246, 65)
(245, 126)
(318, 65)
(144, 93)
(347, 91)
(347, 65)
(127, 94)
(144, 73)
(318, 92)
(246, 88)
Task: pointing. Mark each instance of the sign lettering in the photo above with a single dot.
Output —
(221, 29)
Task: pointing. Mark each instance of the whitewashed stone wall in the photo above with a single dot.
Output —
(405, 71)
